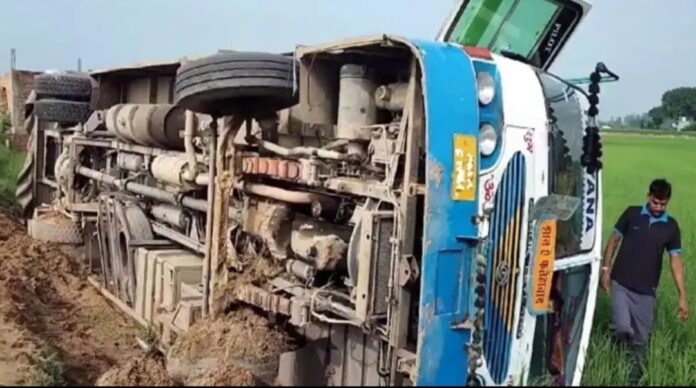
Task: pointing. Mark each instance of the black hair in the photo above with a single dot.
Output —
(661, 189)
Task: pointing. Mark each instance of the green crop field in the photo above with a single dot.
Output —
(10, 164)
(630, 163)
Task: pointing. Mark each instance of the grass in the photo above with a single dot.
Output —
(631, 162)
(49, 370)
(656, 132)
(11, 162)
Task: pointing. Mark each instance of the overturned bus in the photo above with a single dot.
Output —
(422, 212)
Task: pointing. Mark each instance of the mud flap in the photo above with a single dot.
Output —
(451, 109)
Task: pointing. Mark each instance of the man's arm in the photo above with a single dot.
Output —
(678, 274)
(609, 251)
(675, 252)
(620, 228)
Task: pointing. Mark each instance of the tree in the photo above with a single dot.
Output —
(679, 102)
(657, 116)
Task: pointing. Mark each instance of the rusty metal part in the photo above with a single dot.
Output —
(320, 243)
(270, 302)
(155, 125)
(223, 190)
(271, 222)
(277, 304)
(278, 168)
(294, 170)
(290, 170)
(209, 219)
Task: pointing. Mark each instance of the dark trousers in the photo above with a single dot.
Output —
(632, 316)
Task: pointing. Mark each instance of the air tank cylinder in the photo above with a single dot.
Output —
(170, 214)
(152, 125)
(130, 162)
(356, 107)
(169, 169)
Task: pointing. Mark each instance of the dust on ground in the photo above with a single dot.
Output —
(241, 335)
(226, 376)
(241, 348)
(47, 307)
(49, 311)
(146, 370)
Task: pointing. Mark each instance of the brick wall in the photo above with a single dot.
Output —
(15, 87)
(22, 85)
(5, 92)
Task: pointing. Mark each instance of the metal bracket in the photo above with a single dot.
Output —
(409, 272)
(416, 189)
(152, 243)
(94, 122)
(466, 324)
(406, 363)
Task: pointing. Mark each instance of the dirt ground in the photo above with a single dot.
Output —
(54, 327)
(241, 349)
(144, 370)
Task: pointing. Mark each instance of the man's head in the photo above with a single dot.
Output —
(659, 194)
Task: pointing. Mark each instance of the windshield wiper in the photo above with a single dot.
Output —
(516, 56)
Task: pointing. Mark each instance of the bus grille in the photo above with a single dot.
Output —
(504, 268)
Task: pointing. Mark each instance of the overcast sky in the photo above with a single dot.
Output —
(650, 43)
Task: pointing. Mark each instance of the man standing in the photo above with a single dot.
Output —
(644, 234)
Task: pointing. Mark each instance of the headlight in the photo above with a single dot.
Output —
(488, 139)
(486, 87)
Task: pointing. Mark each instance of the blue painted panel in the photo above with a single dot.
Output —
(449, 277)
(451, 107)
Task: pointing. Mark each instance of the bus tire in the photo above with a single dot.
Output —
(64, 86)
(229, 82)
(63, 112)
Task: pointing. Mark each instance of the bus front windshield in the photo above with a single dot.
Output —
(533, 29)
